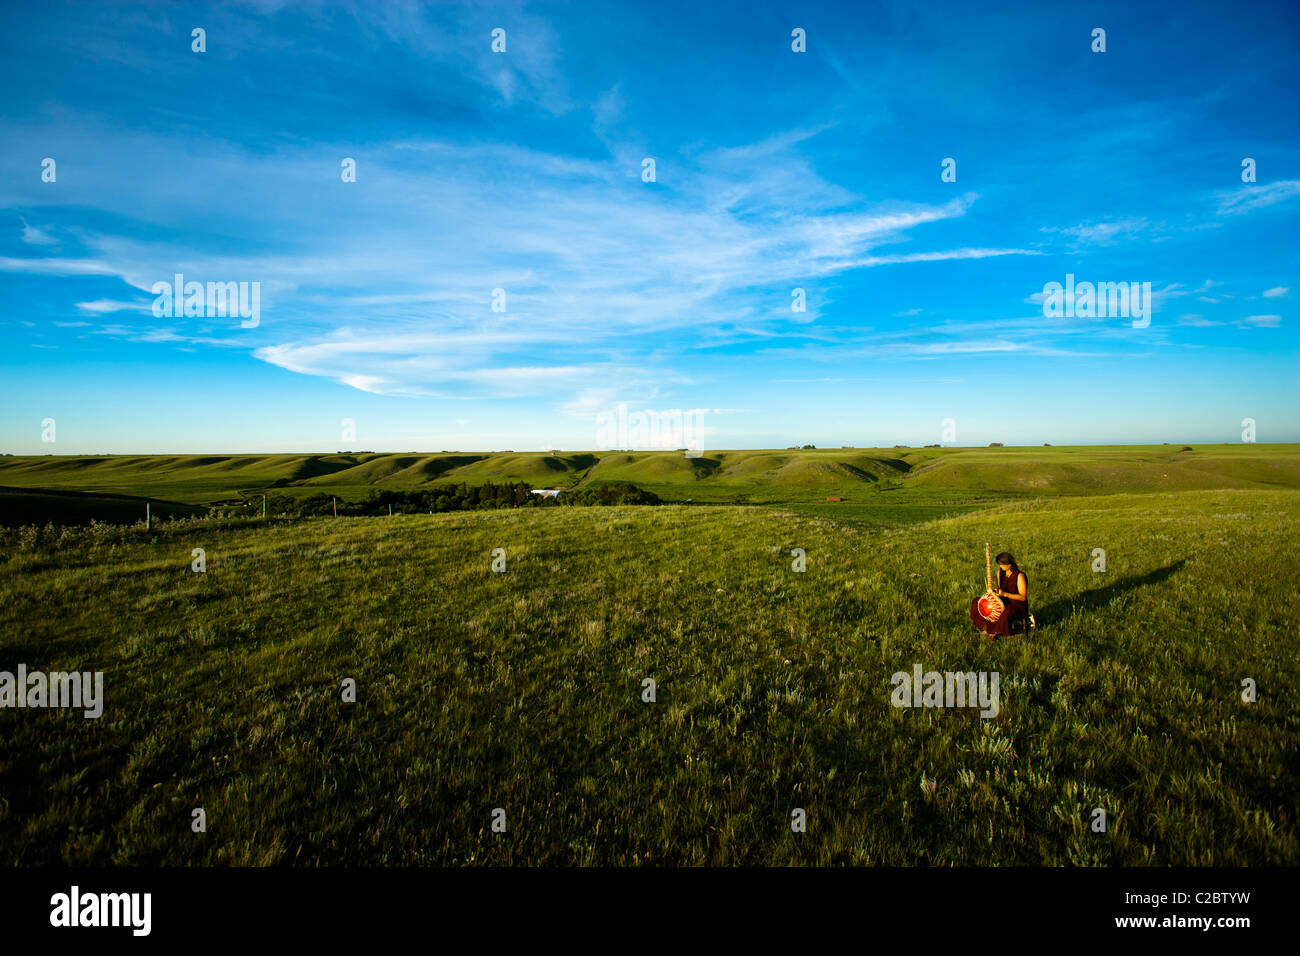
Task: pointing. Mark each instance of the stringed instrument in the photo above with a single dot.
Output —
(990, 605)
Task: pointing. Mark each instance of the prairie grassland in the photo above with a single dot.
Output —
(522, 690)
(860, 475)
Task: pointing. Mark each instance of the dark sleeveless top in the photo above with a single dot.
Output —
(1007, 582)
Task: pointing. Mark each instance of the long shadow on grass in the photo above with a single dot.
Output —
(1099, 598)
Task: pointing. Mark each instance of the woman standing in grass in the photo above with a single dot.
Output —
(1013, 589)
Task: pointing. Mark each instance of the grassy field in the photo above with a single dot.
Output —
(522, 690)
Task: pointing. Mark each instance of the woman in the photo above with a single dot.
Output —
(1013, 588)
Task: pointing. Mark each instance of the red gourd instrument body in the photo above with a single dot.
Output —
(990, 605)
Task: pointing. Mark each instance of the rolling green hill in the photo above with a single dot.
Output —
(931, 476)
(192, 478)
(1104, 470)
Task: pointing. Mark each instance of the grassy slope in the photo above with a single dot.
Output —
(1087, 470)
(521, 690)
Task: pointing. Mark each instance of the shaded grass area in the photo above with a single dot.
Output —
(890, 512)
(522, 690)
(20, 506)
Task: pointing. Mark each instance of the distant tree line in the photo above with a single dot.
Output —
(441, 498)
(611, 493)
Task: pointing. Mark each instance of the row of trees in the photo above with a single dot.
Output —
(611, 493)
(442, 498)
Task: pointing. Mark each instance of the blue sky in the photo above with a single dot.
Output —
(522, 171)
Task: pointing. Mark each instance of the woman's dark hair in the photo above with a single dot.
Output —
(1006, 558)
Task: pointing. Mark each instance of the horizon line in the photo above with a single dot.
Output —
(641, 451)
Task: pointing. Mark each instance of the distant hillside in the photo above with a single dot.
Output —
(1110, 470)
(759, 475)
(192, 478)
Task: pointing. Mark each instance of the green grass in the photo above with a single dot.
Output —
(521, 690)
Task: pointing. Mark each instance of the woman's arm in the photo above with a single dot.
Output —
(1022, 589)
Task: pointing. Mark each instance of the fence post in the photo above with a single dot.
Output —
(148, 517)
(263, 507)
(336, 507)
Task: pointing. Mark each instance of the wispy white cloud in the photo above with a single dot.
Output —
(102, 306)
(36, 237)
(1104, 233)
(941, 256)
(1021, 335)
(529, 71)
(56, 266)
(1250, 196)
(596, 265)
